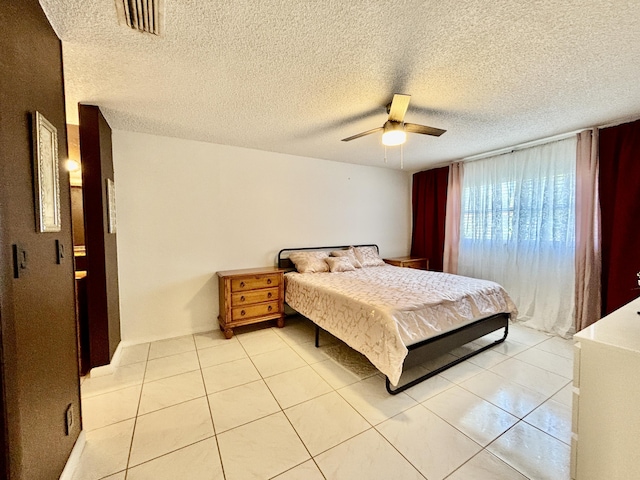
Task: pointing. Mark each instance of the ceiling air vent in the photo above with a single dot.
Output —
(145, 16)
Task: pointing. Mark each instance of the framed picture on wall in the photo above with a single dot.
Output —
(46, 178)
(111, 205)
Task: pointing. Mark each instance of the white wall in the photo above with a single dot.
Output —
(187, 209)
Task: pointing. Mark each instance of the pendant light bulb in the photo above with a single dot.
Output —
(394, 134)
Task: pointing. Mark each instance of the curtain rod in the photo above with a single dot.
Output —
(522, 146)
(541, 141)
(532, 143)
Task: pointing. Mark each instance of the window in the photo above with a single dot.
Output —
(511, 211)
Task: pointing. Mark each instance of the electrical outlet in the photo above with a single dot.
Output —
(69, 419)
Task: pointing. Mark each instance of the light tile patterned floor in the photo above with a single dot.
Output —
(268, 404)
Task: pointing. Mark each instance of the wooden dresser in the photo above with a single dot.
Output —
(250, 296)
(410, 262)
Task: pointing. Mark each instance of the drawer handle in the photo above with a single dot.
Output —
(270, 308)
(242, 313)
(269, 295)
(268, 281)
(242, 298)
(241, 284)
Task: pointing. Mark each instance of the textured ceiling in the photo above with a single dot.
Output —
(296, 76)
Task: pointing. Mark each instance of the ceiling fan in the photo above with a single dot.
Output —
(394, 129)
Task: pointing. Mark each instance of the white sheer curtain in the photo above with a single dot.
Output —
(517, 227)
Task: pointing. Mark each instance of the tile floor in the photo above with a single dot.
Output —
(268, 404)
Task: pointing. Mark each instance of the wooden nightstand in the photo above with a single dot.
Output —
(410, 262)
(250, 296)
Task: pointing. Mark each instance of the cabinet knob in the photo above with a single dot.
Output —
(242, 313)
(268, 281)
(269, 295)
(242, 298)
(241, 284)
(270, 308)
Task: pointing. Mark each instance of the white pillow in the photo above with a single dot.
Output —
(349, 254)
(340, 264)
(310, 262)
(368, 256)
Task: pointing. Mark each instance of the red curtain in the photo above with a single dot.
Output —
(429, 207)
(619, 179)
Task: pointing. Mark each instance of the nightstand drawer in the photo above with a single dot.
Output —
(418, 264)
(255, 296)
(251, 311)
(254, 282)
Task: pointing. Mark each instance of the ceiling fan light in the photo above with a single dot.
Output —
(393, 135)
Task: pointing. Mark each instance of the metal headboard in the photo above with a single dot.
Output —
(283, 255)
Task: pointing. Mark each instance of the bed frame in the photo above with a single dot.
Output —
(432, 347)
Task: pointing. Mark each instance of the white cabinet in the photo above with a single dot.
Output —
(606, 398)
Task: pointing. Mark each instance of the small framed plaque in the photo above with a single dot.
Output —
(111, 205)
(46, 177)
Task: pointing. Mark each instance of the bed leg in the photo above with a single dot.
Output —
(388, 385)
(317, 336)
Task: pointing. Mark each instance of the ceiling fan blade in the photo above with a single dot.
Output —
(415, 128)
(358, 135)
(399, 106)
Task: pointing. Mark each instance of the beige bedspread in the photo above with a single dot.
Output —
(378, 311)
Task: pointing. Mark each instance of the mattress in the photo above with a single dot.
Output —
(379, 311)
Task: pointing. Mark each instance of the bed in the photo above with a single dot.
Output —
(397, 317)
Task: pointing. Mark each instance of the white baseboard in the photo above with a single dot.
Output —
(179, 333)
(108, 369)
(74, 457)
(117, 355)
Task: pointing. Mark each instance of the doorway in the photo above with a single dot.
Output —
(74, 167)
(94, 239)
